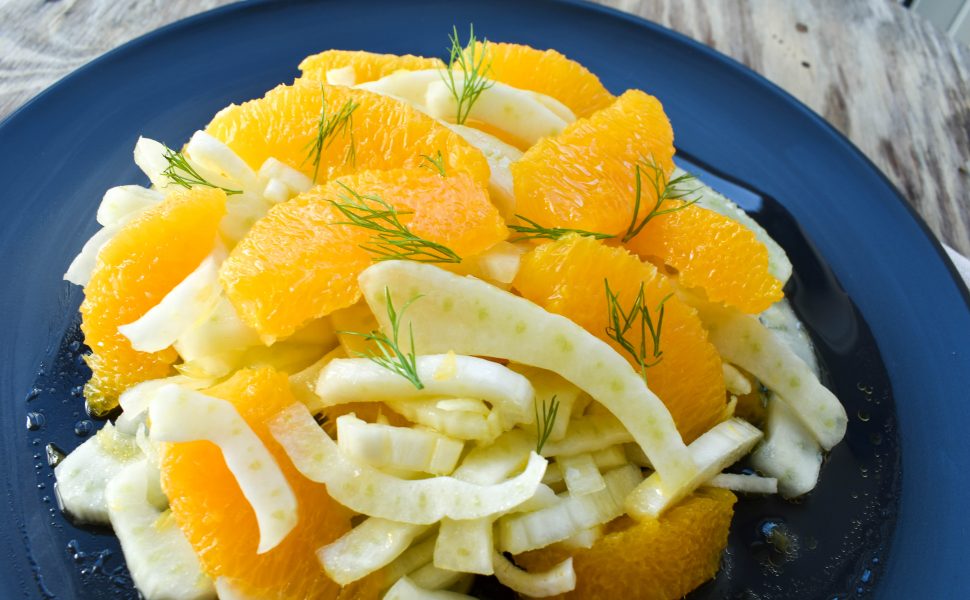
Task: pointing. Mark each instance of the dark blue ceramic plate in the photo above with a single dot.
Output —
(885, 307)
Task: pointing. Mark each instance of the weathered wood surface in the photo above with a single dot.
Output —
(899, 89)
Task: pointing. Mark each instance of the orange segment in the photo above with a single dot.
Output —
(386, 133)
(368, 66)
(299, 262)
(567, 277)
(584, 178)
(547, 72)
(711, 252)
(651, 560)
(135, 269)
(221, 526)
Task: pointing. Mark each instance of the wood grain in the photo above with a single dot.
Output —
(898, 88)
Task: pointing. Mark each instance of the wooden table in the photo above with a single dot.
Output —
(899, 89)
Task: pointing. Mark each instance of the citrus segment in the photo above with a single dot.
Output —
(585, 177)
(136, 268)
(655, 559)
(547, 72)
(301, 261)
(368, 66)
(219, 523)
(711, 252)
(567, 277)
(383, 132)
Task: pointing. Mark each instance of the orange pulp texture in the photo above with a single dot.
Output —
(567, 277)
(384, 133)
(547, 72)
(368, 66)
(301, 260)
(711, 252)
(135, 270)
(655, 559)
(220, 524)
(584, 178)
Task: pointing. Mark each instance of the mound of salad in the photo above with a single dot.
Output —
(406, 322)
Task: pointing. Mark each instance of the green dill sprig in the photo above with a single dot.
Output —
(328, 128)
(664, 190)
(535, 231)
(436, 162)
(637, 317)
(393, 240)
(391, 357)
(180, 172)
(545, 421)
(473, 70)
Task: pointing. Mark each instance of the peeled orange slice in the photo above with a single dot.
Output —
(219, 523)
(301, 261)
(367, 66)
(585, 177)
(655, 559)
(383, 132)
(547, 72)
(567, 277)
(151, 254)
(711, 252)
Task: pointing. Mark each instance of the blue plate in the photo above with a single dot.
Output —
(870, 265)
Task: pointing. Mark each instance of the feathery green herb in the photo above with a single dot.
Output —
(474, 71)
(180, 172)
(328, 128)
(664, 190)
(636, 318)
(545, 421)
(392, 239)
(391, 357)
(437, 162)
(535, 231)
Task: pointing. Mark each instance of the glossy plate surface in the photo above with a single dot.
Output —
(872, 282)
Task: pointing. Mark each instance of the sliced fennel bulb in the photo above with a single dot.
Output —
(557, 580)
(752, 484)
(406, 589)
(500, 157)
(468, 316)
(181, 415)
(397, 448)
(371, 492)
(160, 559)
(122, 203)
(789, 452)
(366, 548)
(465, 546)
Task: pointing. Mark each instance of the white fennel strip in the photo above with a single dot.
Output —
(742, 340)
(217, 158)
(122, 203)
(366, 548)
(557, 580)
(412, 559)
(346, 76)
(735, 381)
(150, 158)
(400, 448)
(789, 452)
(371, 492)
(465, 546)
(528, 531)
(716, 449)
(581, 474)
(514, 111)
(162, 563)
(469, 316)
(548, 385)
(443, 375)
(430, 577)
(752, 484)
(589, 434)
(500, 157)
(135, 400)
(81, 268)
(303, 383)
(180, 415)
(475, 425)
(486, 465)
(83, 475)
(294, 181)
(406, 589)
(188, 303)
(215, 345)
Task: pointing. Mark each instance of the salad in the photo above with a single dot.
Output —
(406, 322)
